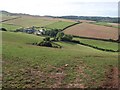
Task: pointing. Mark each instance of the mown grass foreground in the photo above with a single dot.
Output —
(74, 65)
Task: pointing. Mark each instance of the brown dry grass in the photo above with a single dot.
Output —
(94, 31)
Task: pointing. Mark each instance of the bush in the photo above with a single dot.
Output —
(46, 39)
(59, 36)
(45, 43)
(52, 32)
(3, 29)
(67, 38)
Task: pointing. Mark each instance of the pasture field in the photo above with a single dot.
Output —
(99, 43)
(29, 21)
(59, 25)
(74, 65)
(115, 25)
(93, 31)
(10, 27)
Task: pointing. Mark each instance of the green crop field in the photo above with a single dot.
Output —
(74, 65)
(99, 43)
(59, 25)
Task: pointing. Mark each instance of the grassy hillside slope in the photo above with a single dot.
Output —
(28, 66)
(10, 27)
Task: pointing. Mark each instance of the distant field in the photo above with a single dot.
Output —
(114, 25)
(94, 31)
(28, 21)
(73, 66)
(59, 24)
(100, 44)
(10, 26)
(5, 17)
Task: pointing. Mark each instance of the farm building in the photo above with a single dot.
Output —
(39, 32)
(30, 31)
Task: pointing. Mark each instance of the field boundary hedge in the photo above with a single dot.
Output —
(109, 40)
(71, 25)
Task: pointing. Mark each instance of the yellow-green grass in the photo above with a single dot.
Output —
(28, 66)
(10, 27)
(99, 43)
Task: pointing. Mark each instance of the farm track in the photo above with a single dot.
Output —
(93, 31)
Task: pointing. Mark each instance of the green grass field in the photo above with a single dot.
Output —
(59, 25)
(10, 27)
(99, 43)
(74, 65)
(106, 24)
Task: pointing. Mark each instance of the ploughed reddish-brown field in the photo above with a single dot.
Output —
(94, 31)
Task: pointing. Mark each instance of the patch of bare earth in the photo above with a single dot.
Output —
(82, 79)
(111, 79)
(93, 31)
(34, 77)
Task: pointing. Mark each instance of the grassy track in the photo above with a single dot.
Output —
(31, 66)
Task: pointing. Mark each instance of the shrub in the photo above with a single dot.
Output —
(52, 32)
(67, 38)
(45, 43)
(46, 39)
(59, 36)
(3, 29)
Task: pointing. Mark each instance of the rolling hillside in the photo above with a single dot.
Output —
(28, 66)
(24, 20)
(25, 65)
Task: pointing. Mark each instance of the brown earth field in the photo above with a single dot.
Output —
(85, 29)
